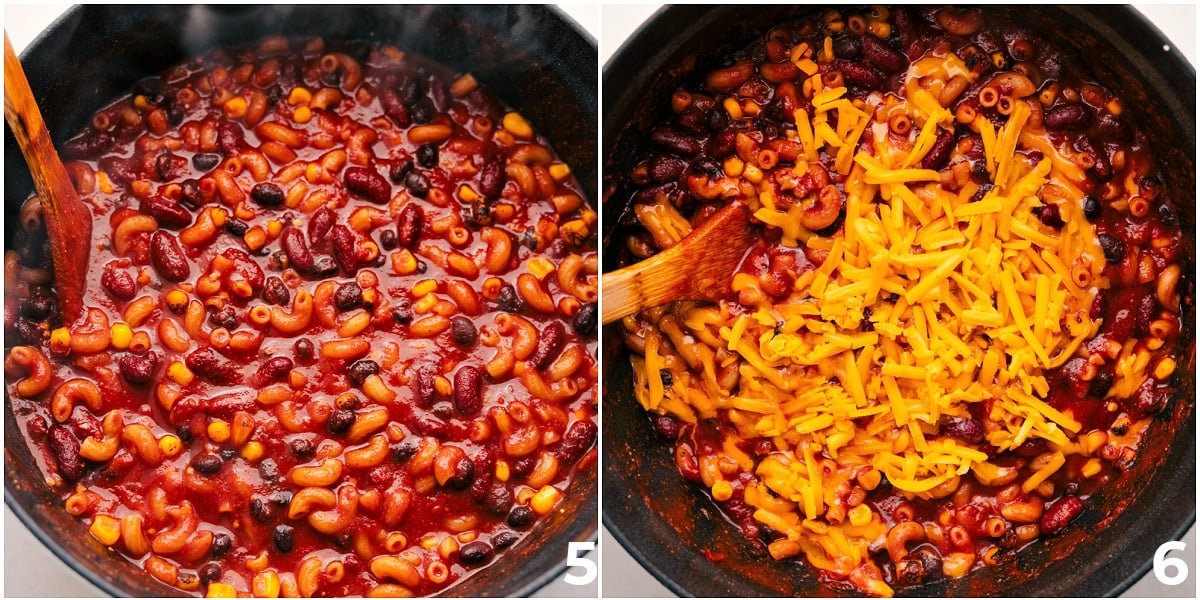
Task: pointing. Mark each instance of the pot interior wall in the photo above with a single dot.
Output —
(668, 526)
(536, 60)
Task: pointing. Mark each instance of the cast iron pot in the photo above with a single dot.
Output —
(535, 59)
(668, 525)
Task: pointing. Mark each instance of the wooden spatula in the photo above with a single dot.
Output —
(699, 267)
(68, 220)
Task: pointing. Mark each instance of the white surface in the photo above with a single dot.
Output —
(31, 570)
(623, 577)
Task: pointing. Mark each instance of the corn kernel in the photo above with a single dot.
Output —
(404, 263)
(252, 451)
(466, 194)
(265, 585)
(170, 445)
(235, 107)
(104, 182)
(860, 515)
(881, 29)
(121, 336)
(1093, 441)
(442, 385)
(217, 589)
(503, 471)
(1164, 369)
(141, 103)
(425, 304)
(60, 341)
(106, 529)
(302, 114)
(425, 286)
(734, 166)
(180, 373)
(274, 228)
(255, 238)
(515, 124)
(722, 491)
(733, 108)
(218, 431)
(752, 174)
(177, 300)
(574, 232)
(299, 95)
(1091, 468)
(560, 171)
(541, 266)
(545, 499)
(869, 480)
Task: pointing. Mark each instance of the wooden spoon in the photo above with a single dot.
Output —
(68, 220)
(699, 267)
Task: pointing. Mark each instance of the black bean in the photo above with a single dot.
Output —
(358, 371)
(504, 538)
(340, 421)
(261, 509)
(387, 239)
(521, 517)
(267, 194)
(207, 464)
(427, 155)
(206, 161)
(400, 170)
(269, 470)
(236, 227)
(417, 183)
(498, 499)
(276, 292)
(348, 296)
(221, 545)
(585, 321)
(304, 349)
(225, 316)
(402, 313)
(475, 553)
(209, 573)
(405, 450)
(284, 538)
(303, 448)
(508, 300)
(1114, 249)
(463, 332)
(1091, 208)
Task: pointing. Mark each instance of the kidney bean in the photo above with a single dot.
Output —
(168, 258)
(879, 55)
(968, 430)
(167, 213)
(66, 451)
(475, 553)
(663, 168)
(138, 370)
(296, 249)
(467, 398)
(344, 252)
(939, 154)
(206, 161)
(120, 170)
(369, 184)
(88, 145)
(409, 225)
(167, 166)
(119, 283)
(422, 381)
(580, 436)
(426, 423)
(492, 178)
(394, 108)
(213, 367)
(550, 344)
(322, 221)
(274, 369)
(1050, 216)
(847, 46)
(856, 73)
(1058, 515)
(230, 137)
(276, 292)
(1070, 117)
(673, 140)
(1110, 128)
(267, 194)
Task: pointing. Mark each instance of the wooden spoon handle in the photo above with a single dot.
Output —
(68, 220)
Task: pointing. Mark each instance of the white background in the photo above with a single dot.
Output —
(31, 570)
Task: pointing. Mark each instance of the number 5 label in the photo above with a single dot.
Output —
(1162, 562)
(576, 558)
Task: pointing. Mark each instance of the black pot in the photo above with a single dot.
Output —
(535, 58)
(668, 525)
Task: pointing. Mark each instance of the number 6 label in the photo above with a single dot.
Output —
(576, 558)
(1162, 562)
